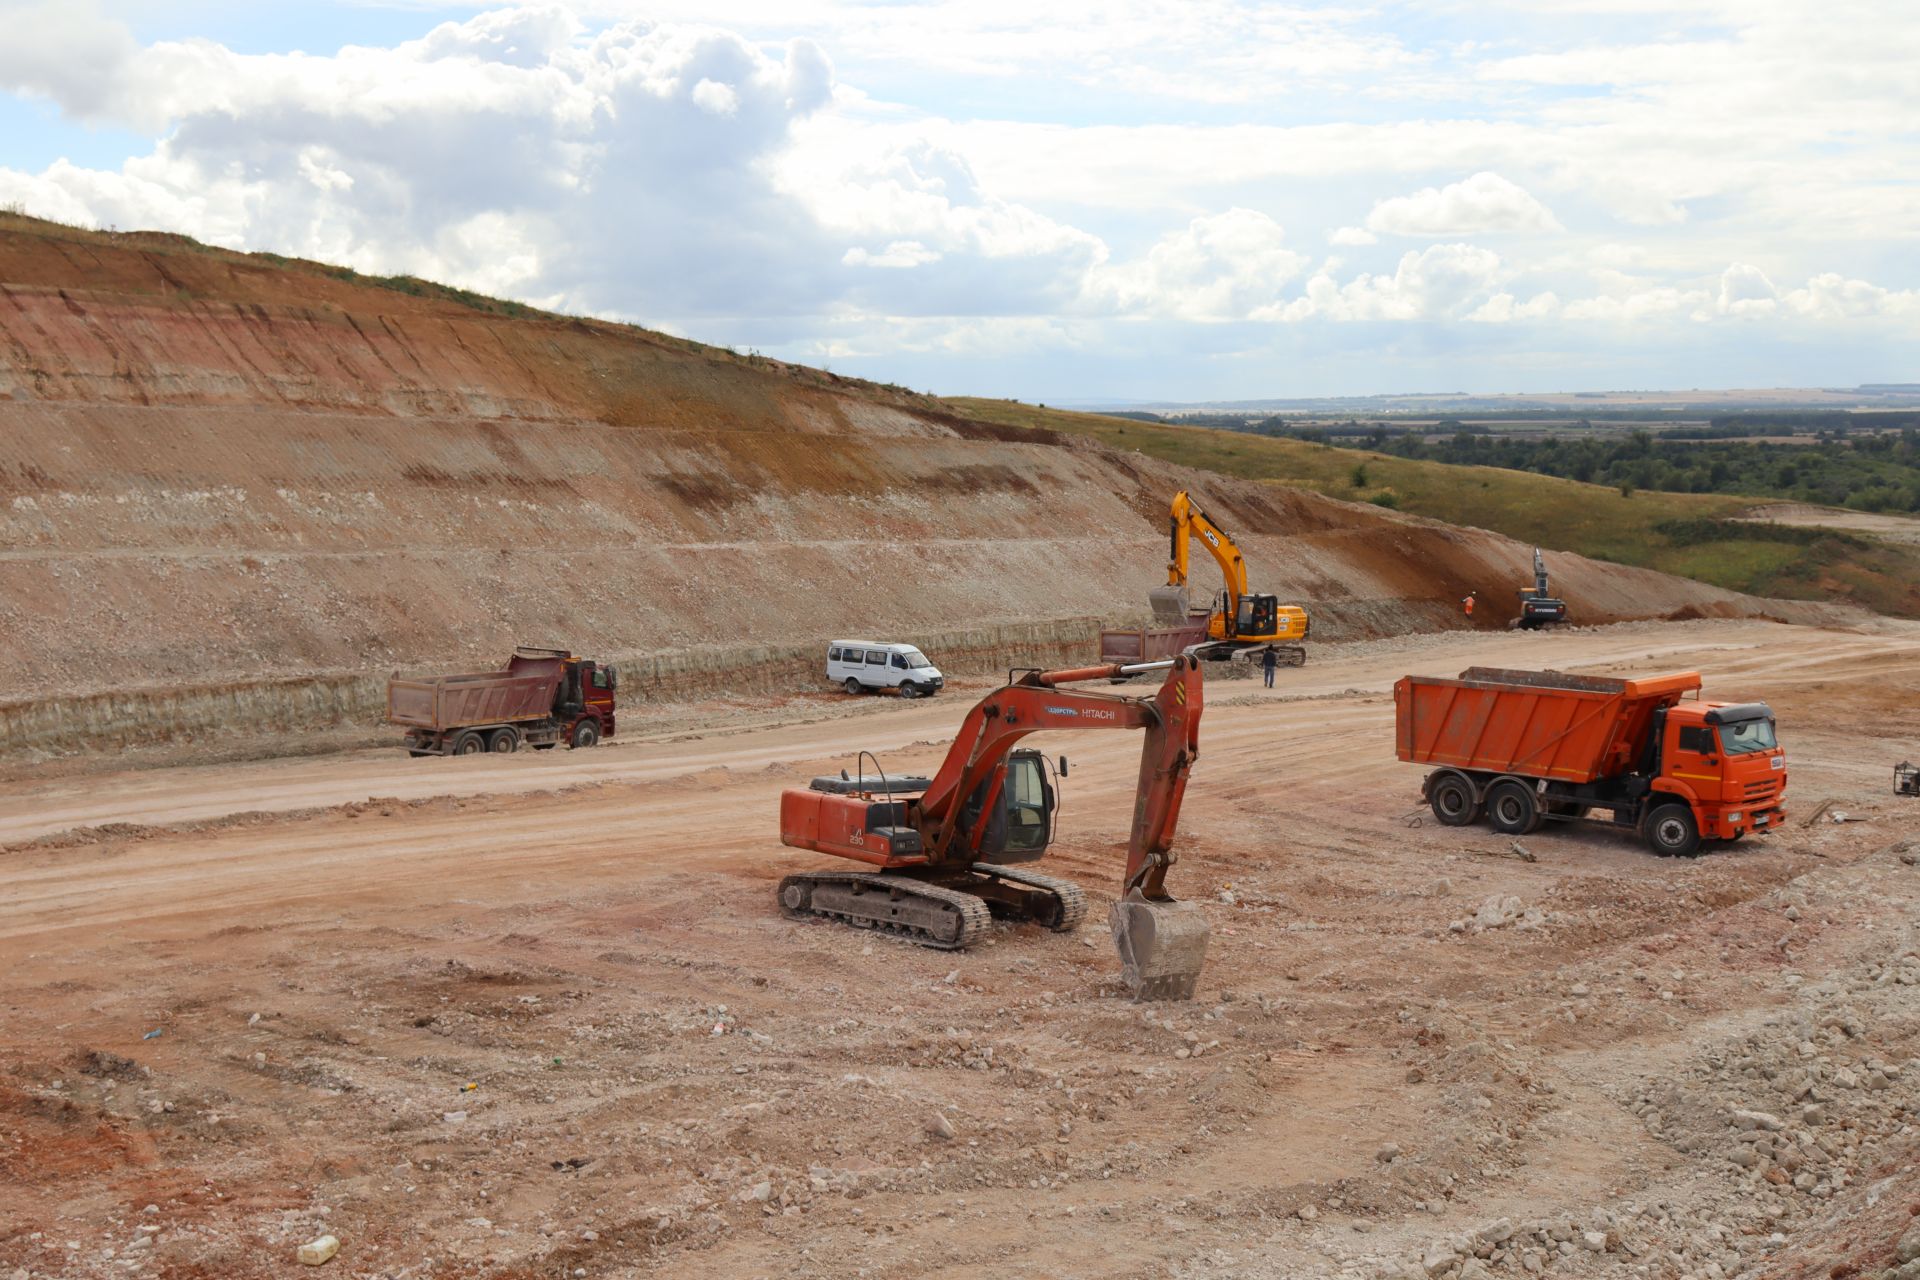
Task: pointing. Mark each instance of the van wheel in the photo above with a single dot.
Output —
(1672, 832)
(469, 744)
(909, 690)
(852, 685)
(1511, 809)
(1451, 798)
(585, 734)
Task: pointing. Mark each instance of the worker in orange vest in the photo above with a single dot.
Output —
(1467, 604)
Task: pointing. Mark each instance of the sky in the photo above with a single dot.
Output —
(1171, 200)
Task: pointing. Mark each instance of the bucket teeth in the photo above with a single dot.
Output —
(1162, 946)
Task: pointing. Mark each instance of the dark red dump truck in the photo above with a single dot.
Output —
(544, 697)
(1529, 747)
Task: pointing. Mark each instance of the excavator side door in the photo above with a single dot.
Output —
(1018, 803)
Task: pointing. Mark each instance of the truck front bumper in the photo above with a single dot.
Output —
(1730, 824)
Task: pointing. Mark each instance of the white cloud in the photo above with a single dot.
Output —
(1485, 202)
(1222, 267)
(1831, 297)
(1745, 291)
(1504, 308)
(1442, 282)
(692, 165)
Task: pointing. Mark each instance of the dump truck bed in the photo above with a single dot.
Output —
(1150, 644)
(1538, 724)
(524, 691)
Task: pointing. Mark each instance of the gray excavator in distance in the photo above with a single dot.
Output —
(1538, 607)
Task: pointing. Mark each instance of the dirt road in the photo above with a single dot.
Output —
(1404, 1035)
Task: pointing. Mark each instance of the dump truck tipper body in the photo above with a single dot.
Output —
(1528, 747)
(543, 698)
(1128, 645)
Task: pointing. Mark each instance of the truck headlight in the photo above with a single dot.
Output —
(1733, 817)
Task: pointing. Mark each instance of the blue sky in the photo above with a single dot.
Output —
(1148, 199)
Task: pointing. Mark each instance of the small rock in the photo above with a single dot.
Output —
(758, 1193)
(940, 1127)
(1909, 1247)
(1593, 1241)
(1758, 1120)
(315, 1252)
(1388, 1153)
(1793, 913)
(1581, 989)
(454, 1117)
(952, 977)
(1306, 1213)
(1438, 1258)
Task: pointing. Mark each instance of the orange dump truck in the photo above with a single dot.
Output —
(1530, 747)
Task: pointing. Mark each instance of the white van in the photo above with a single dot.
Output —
(862, 665)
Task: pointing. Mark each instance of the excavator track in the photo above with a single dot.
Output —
(929, 914)
(1072, 899)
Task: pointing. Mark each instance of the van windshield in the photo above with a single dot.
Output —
(917, 659)
(1746, 736)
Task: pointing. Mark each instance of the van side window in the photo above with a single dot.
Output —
(876, 659)
(1696, 738)
(833, 655)
(900, 661)
(851, 655)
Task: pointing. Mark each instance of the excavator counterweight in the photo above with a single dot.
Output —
(943, 854)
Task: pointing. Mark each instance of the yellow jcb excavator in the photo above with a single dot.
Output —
(1239, 619)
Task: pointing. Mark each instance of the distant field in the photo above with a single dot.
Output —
(1699, 536)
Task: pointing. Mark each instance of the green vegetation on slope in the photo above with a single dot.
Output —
(1693, 535)
(1867, 467)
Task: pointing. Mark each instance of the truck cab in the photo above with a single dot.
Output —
(1725, 760)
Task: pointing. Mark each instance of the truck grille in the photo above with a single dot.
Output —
(1761, 790)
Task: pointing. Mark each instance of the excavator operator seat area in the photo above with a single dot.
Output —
(1020, 823)
(1258, 616)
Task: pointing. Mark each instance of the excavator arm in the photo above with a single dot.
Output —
(1162, 943)
(1184, 523)
(1036, 703)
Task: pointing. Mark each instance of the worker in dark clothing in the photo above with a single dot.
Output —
(1268, 661)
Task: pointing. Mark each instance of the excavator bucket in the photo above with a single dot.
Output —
(1162, 946)
(1170, 605)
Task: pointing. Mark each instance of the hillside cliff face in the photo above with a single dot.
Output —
(238, 491)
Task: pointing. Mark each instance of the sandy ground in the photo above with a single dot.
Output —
(538, 1016)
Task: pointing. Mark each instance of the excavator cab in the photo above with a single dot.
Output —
(1020, 824)
(1258, 618)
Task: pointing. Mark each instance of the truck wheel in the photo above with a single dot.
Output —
(469, 744)
(852, 685)
(1672, 832)
(585, 734)
(1451, 797)
(1511, 809)
(503, 741)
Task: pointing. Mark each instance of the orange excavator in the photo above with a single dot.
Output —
(947, 851)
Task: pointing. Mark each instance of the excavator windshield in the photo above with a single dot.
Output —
(1257, 616)
(1029, 811)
